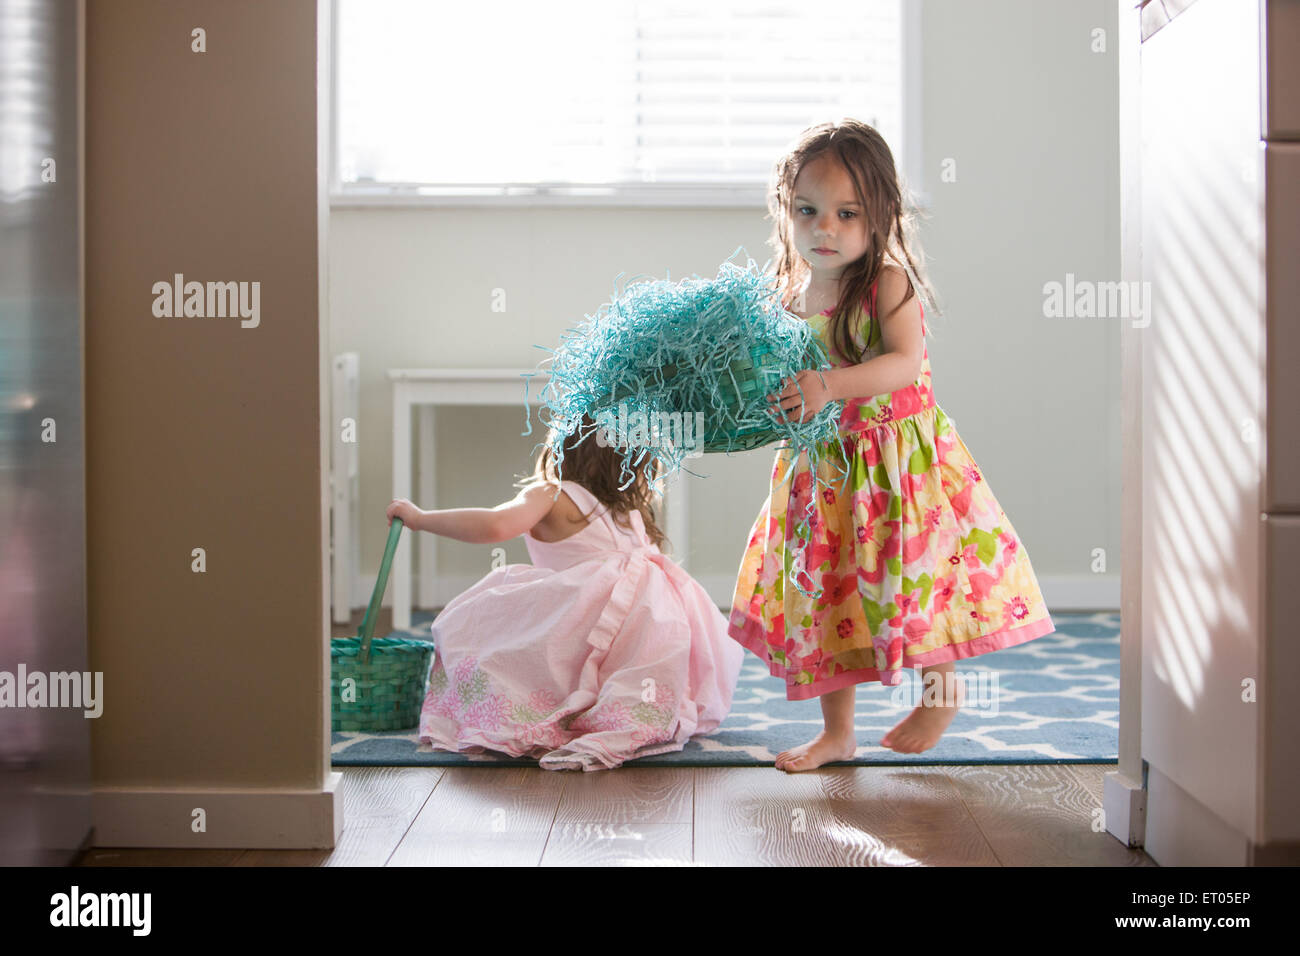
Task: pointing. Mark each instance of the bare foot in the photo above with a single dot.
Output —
(824, 748)
(921, 729)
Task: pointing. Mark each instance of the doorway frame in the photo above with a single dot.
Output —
(1124, 789)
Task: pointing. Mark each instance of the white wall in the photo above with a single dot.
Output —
(1012, 93)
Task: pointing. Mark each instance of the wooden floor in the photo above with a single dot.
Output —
(1042, 815)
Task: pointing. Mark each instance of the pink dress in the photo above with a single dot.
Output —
(602, 650)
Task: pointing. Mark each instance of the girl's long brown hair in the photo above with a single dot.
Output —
(864, 153)
(599, 470)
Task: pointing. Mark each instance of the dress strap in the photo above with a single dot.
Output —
(589, 503)
(581, 496)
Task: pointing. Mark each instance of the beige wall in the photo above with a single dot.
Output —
(201, 433)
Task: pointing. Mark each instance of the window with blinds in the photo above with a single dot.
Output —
(574, 97)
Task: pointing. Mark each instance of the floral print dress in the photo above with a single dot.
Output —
(914, 561)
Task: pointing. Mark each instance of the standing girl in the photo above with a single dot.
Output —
(914, 561)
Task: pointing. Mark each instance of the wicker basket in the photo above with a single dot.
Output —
(387, 676)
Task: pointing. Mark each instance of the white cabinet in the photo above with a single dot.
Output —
(1220, 492)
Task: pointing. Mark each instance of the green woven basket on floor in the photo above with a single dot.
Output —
(378, 684)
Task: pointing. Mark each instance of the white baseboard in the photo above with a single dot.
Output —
(1124, 802)
(234, 819)
(1062, 592)
(1182, 831)
(1080, 592)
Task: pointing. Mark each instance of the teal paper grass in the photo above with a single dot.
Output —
(663, 356)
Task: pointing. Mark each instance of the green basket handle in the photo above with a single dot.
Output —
(381, 582)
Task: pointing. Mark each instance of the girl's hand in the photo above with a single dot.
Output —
(408, 512)
(816, 396)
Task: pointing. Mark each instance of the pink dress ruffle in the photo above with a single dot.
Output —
(600, 651)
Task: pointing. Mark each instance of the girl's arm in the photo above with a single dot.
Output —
(483, 525)
(901, 345)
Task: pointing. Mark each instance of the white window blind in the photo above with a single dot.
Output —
(511, 97)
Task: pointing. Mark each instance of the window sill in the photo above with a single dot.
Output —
(532, 194)
(697, 195)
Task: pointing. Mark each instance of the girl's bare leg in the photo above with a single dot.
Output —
(836, 742)
(921, 729)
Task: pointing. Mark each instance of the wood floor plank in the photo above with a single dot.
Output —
(1039, 815)
(747, 818)
(629, 795)
(618, 844)
(828, 817)
(151, 856)
(484, 816)
(379, 806)
(289, 858)
(1092, 777)
(902, 816)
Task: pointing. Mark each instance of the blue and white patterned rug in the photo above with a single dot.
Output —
(1052, 700)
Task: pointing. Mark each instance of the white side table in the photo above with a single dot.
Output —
(425, 388)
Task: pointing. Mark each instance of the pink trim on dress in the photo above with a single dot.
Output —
(751, 635)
